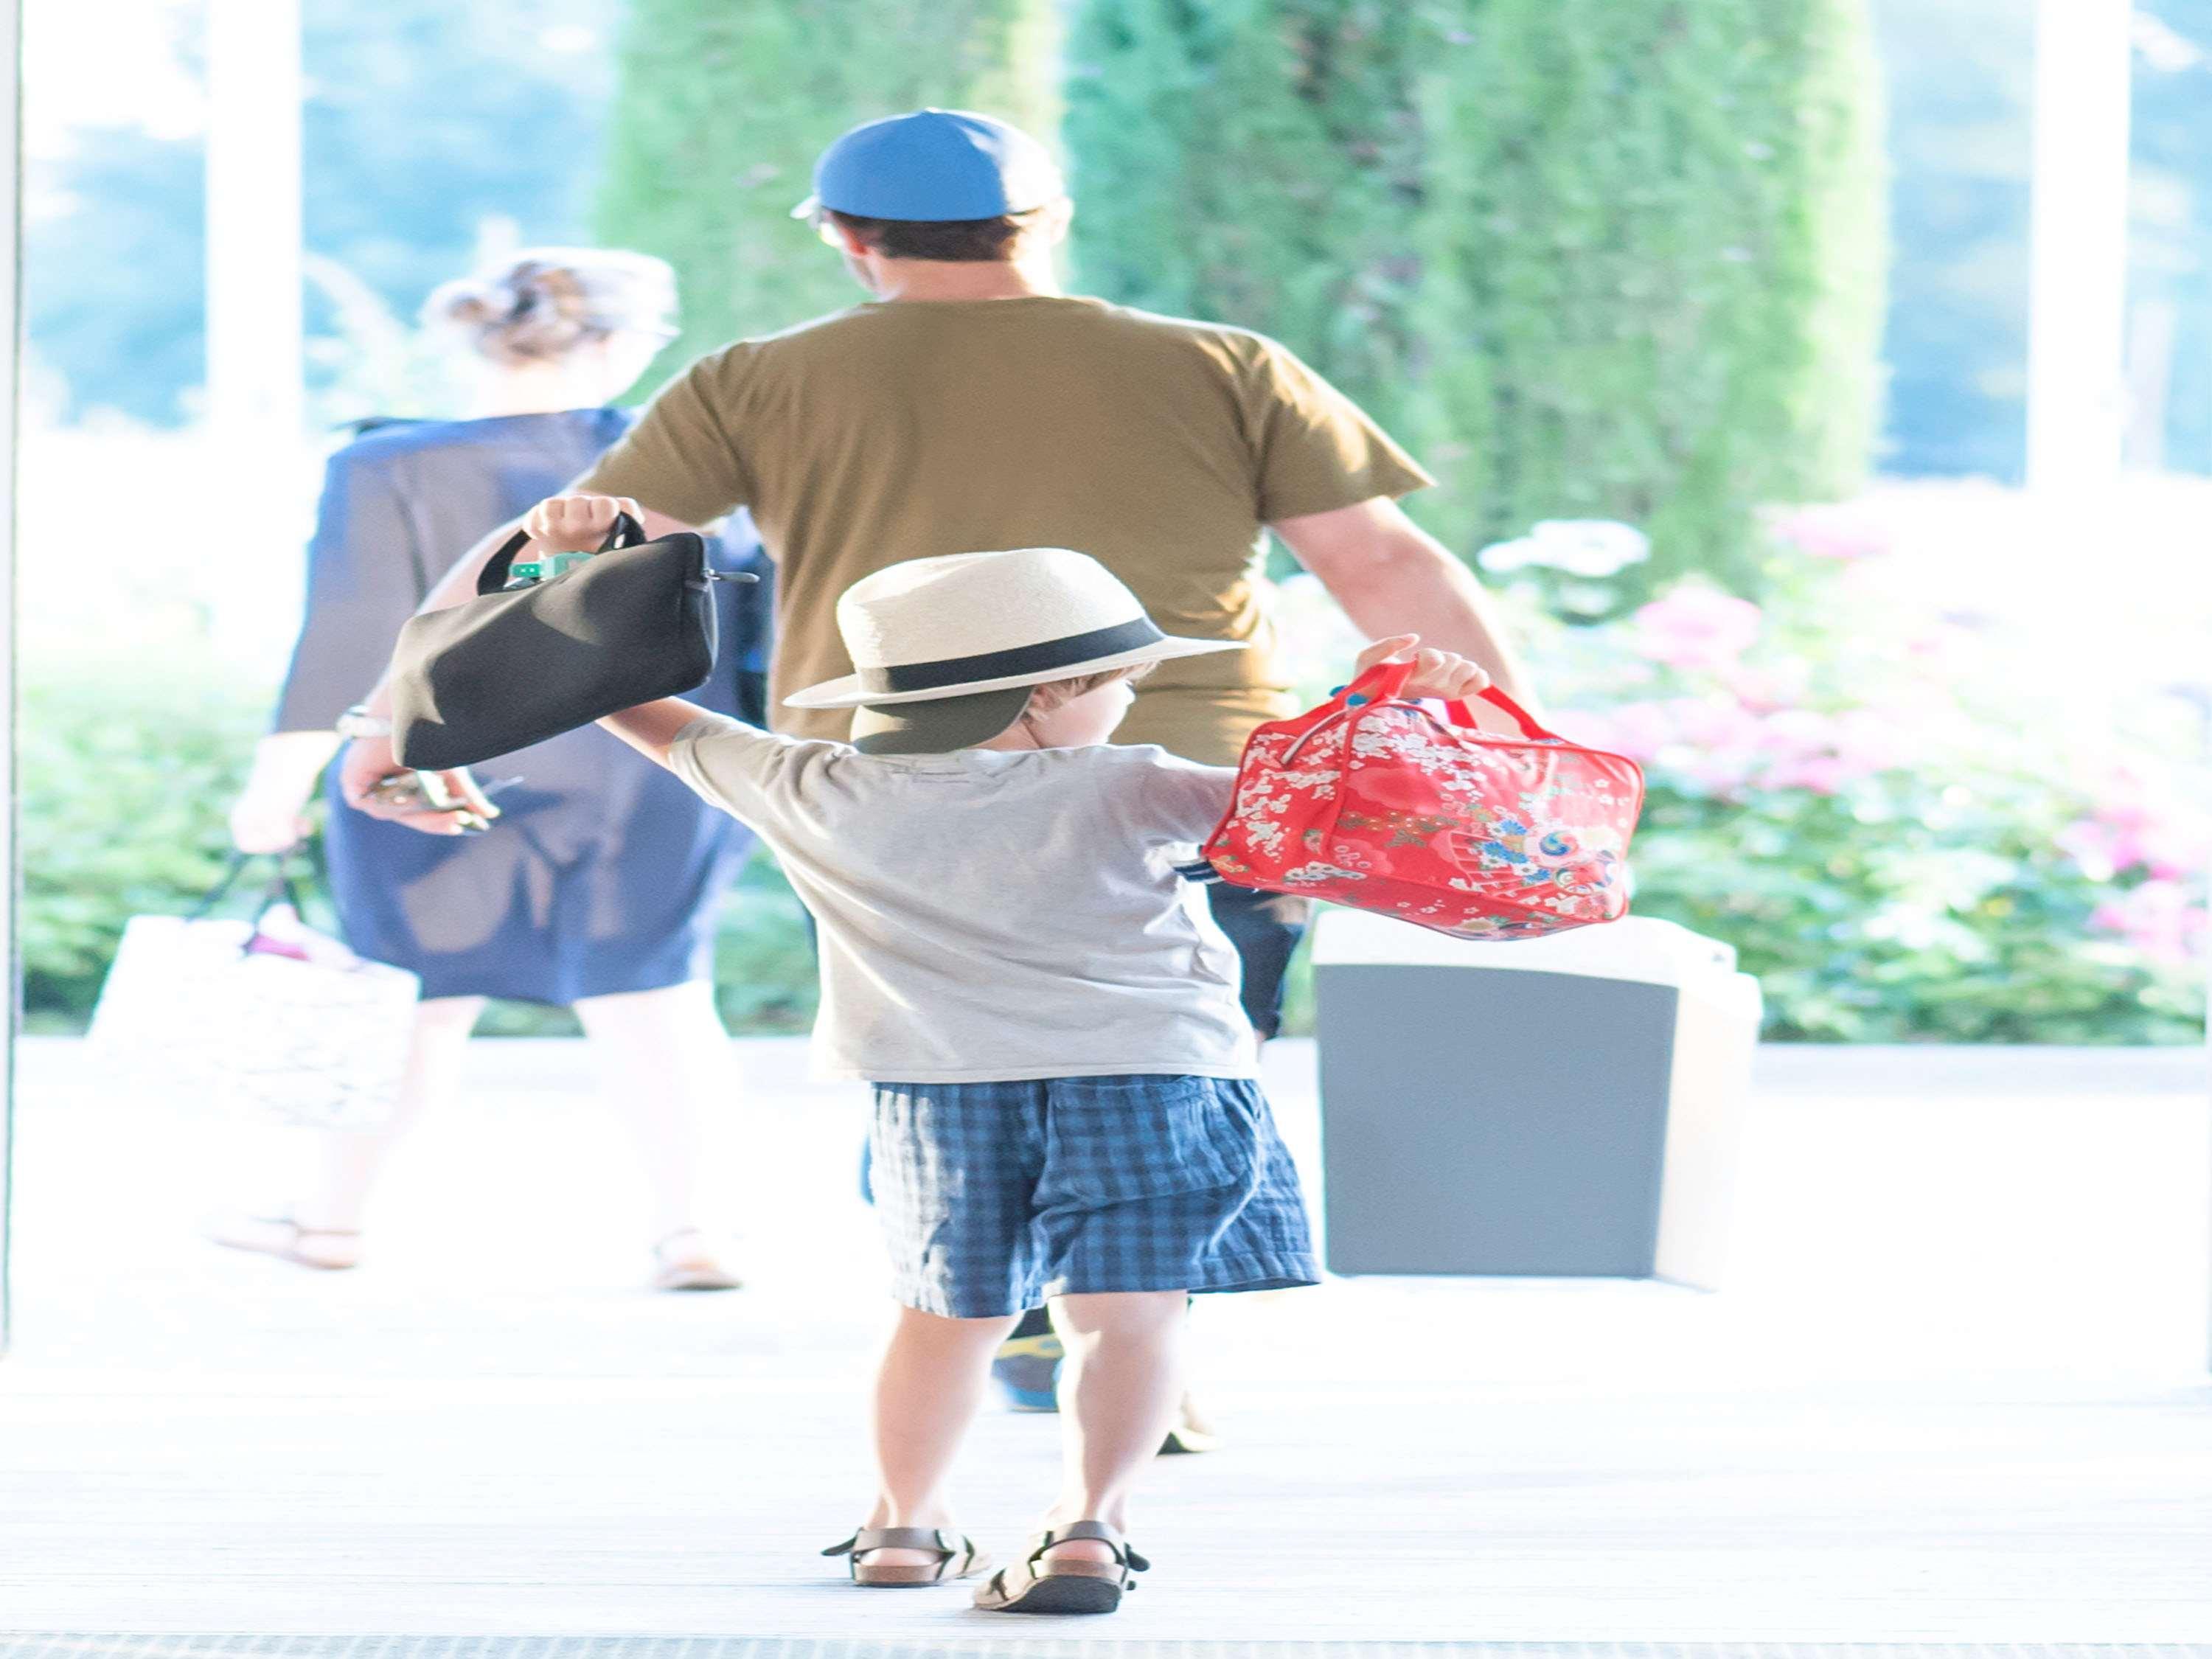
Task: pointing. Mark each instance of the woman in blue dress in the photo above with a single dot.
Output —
(596, 887)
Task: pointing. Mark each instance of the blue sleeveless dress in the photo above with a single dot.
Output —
(602, 873)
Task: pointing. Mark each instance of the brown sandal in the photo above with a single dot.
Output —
(1050, 1584)
(948, 1547)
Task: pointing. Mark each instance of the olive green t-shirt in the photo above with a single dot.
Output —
(907, 428)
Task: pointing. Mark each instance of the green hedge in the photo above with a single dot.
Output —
(2002, 947)
(721, 109)
(1259, 162)
(124, 779)
(1653, 243)
(1596, 258)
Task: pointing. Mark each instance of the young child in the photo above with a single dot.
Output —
(1065, 1096)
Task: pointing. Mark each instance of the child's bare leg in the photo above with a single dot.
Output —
(1118, 1388)
(928, 1389)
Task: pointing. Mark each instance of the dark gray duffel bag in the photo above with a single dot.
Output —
(522, 663)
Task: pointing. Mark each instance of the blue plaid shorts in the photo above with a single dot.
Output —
(995, 1196)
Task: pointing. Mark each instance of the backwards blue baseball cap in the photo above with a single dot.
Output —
(932, 166)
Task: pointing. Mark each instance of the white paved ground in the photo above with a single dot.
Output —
(1955, 1391)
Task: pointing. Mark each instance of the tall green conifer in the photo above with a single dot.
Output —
(1254, 161)
(1651, 241)
(1592, 258)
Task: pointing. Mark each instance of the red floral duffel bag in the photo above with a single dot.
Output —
(1374, 802)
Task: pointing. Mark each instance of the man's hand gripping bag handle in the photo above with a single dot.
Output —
(627, 533)
(1386, 682)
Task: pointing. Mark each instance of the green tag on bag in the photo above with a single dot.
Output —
(526, 571)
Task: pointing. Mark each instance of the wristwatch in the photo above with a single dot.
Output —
(358, 722)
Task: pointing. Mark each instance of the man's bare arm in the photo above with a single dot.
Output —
(1393, 577)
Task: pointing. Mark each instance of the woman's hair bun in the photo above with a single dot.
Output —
(468, 302)
(544, 302)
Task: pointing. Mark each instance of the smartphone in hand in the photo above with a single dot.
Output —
(427, 792)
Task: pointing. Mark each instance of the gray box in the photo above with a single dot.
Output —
(1560, 1107)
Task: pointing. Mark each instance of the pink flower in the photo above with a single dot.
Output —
(1695, 627)
(2124, 815)
(1717, 745)
(1712, 723)
(1846, 531)
(1799, 747)
(1790, 734)
(1714, 744)
(2090, 845)
(2138, 823)
(2161, 919)
(1867, 742)
(1765, 688)
(1822, 774)
(1638, 730)
(2175, 852)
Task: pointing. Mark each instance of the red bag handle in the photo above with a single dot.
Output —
(1464, 715)
(1387, 680)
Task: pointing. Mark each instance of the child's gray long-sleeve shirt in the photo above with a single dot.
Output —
(992, 914)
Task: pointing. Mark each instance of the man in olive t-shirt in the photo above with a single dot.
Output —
(970, 405)
(902, 429)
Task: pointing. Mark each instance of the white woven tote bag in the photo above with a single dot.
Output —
(264, 1016)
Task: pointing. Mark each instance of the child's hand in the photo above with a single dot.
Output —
(1436, 673)
(576, 524)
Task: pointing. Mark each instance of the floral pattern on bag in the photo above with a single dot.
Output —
(1383, 806)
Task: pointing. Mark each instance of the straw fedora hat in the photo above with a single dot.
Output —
(945, 650)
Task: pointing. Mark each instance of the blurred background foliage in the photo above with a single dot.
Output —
(1258, 162)
(1905, 837)
(427, 129)
(1595, 260)
(126, 781)
(1891, 811)
(431, 129)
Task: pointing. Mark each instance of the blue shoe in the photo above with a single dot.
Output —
(1027, 1371)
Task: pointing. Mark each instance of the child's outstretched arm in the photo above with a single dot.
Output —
(650, 727)
(579, 523)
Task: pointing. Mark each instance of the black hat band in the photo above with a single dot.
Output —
(1042, 657)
